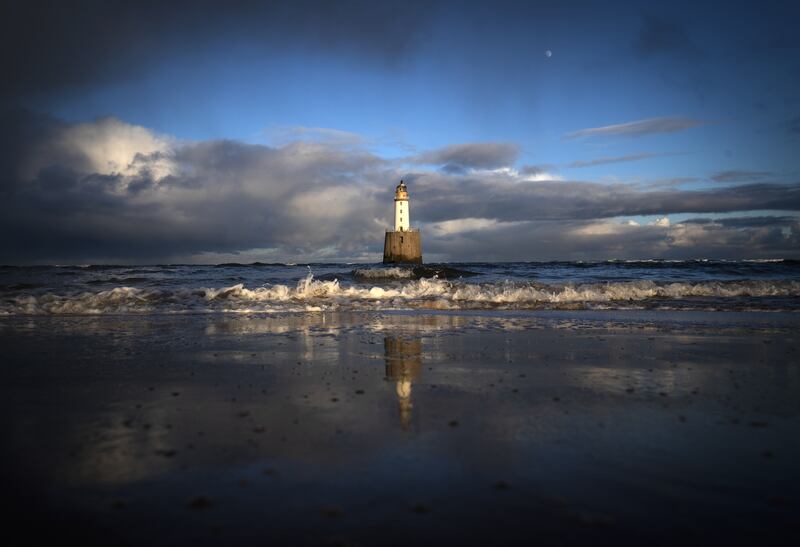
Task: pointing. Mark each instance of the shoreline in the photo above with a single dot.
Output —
(754, 319)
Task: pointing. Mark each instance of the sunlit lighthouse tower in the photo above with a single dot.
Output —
(401, 211)
(403, 244)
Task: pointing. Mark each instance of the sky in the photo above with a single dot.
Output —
(204, 132)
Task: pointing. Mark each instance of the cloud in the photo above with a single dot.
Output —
(740, 176)
(52, 47)
(747, 221)
(610, 239)
(106, 146)
(536, 169)
(662, 222)
(494, 195)
(730, 241)
(466, 225)
(670, 124)
(616, 159)
(536, 173)
(457, 158)
(111, 191)
(76, 195)
(612, 227)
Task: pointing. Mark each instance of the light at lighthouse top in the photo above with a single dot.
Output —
(402, 214)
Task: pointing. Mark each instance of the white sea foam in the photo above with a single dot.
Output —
(315, 295)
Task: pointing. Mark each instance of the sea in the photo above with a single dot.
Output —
(608, 403)
(709, 285)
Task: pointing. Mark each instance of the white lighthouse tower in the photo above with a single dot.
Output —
(402, 215)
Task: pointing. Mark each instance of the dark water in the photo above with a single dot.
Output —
(255, 288)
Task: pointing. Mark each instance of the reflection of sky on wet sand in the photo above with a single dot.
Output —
(376, 413)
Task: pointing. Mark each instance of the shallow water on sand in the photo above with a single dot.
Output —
(399, 428)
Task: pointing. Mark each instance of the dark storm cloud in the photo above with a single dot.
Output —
(218, 196)
(457, 157)
(615, 159)
(114, 191)
(586, 240)
(553, 240)
(668, 124)
(442, 197)
(46, 46)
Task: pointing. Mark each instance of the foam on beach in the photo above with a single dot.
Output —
(311, 294)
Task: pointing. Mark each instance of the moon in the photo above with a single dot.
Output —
(548, 53)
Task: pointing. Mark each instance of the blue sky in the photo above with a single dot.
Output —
(407, 79)
(466, 78)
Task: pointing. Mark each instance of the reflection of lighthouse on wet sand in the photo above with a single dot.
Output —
(403, 366)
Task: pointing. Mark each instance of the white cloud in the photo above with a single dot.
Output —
(649, 126)
(662, 222)
(602, 228)
(464, 225)
(534, 176)
(106, 146)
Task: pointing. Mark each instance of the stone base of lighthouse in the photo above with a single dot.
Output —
(402, 248)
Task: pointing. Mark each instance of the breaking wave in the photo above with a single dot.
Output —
(319, 295)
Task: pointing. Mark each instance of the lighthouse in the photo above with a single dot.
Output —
(401, 212)
(403, 244)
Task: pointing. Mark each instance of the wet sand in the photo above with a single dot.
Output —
(403, 429)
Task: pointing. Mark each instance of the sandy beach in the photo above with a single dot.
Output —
(403, 428)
